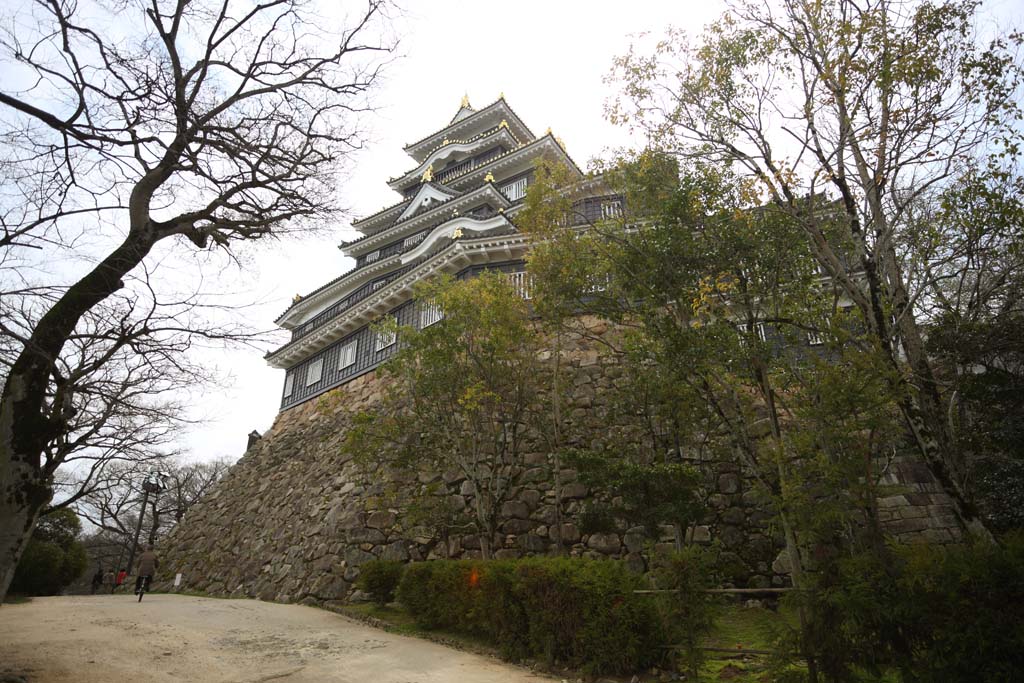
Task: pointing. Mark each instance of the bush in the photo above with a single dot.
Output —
(578, 612)
(52, 559)
(688, 612)
(932, 613)
(380, 579)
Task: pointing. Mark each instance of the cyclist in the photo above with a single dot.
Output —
(148, 564)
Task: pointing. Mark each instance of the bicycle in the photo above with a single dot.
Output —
(143, 585)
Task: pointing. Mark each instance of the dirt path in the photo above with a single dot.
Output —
(113, 639)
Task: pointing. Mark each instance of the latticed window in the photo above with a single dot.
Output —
(384, 338)
(430, 313)
(372, 256)
(611, 208)
(347, 355)
(522, 283)
(815, 338)
(515, 190)
(413, 240)
(315, 372)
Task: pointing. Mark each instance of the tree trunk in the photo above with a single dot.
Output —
(25, 426)
(23, 494)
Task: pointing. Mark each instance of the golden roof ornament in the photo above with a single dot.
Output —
(446, 141)
(489, 178)
(548, 131)
(428, 175)
(465, 100)
(456, 233)
(297, 298)
(503, 124)
(501, 95)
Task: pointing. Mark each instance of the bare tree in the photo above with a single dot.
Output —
(113, 503)
(196, 126)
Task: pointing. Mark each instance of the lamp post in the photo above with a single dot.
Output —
(152, 484)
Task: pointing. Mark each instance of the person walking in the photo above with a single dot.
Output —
(97, 579)
(148, 563)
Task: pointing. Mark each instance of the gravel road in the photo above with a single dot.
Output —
(114, 639)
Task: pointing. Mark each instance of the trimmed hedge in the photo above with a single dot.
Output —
(579, 612)
(380, 579)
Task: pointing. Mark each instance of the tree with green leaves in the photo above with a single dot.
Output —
(757, 358)
(54, 557)
(863, 106)
(463, 397)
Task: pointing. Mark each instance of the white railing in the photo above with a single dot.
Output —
(611, 209)
(372, 256)
(384, 339)
(515, 190)
(522, 283)
(430, 313)
(413, 240)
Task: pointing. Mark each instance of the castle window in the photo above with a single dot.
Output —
(315, 372)
(522, 283)
(412, 240)
(815, 338)
(347, 355)
(289, 381)
(515, 190)
(372, 256)
(611, 208)
(384, 338)
(430, 313)
(761, 330)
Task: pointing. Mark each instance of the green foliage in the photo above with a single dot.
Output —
(380, 579)
(647, 494)
(53, 558)
(463, 397)
(689, 611)
(579, 612)
(932, 613)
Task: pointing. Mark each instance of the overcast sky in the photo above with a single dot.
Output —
(549, 58)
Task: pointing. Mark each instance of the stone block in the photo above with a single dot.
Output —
(569, 533)
(699, 534)
(718, 501)
(781, 565)
(734, 516)
(574, 490)
(515, 509)
(517, 526)
(381, 519)
(396, 552)
(609, 544)
(731, 536)
(531, 497)
(532, 543)
(365, 535)
(634, 540)
(354, 557)
(728, 483)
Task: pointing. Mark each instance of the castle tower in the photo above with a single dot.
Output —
(456, 216)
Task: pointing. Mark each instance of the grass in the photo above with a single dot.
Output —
(736, 627)
(16, 599)
(396, 620)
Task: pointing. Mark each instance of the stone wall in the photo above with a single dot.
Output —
(294, 519)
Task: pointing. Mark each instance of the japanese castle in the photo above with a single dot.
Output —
(456, 216)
